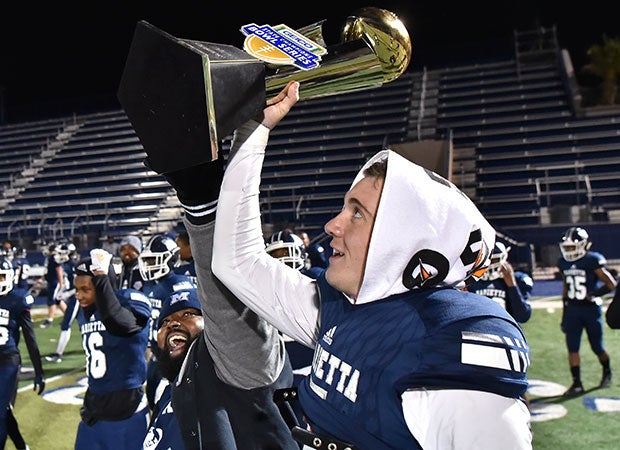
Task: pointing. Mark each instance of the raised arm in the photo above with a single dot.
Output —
(248, 352)
(280, 294)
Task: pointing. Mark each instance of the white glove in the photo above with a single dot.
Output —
(100, 260)
(65, 295)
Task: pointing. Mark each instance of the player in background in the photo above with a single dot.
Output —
(15, 305)
(511, 289)
(156, 262)
(290, 249)
(68, 256)
(19, 259)
(55, 278)
(316, 252)
(185, 265)
(585, 279)
(115, 329)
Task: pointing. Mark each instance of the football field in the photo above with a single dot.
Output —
(590, 421)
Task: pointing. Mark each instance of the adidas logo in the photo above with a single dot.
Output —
(328, 337)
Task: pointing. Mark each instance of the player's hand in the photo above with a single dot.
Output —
(279, 106)
(100, 261)
(39, 382)
(508, 273)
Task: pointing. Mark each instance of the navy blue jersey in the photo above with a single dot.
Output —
(187, 269)
(369, 354)
(12, 306)
(115, 363)
(164, 432)
(50, 275)
(159, 290)
(514, 298)
(67, 267)
(580, 277)
(22, 270)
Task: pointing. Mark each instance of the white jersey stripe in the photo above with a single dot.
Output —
(483, 355)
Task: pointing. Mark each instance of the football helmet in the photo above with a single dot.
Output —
(8, 252)
(64, 252)
(498, 257)
(6, 269)
(288, 248)
(158, 258)
(575, 243)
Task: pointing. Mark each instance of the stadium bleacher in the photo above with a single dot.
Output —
(527, 155)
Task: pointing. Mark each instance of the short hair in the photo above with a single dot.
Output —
(377, 169)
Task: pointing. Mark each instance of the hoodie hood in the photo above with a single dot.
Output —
(427, 233)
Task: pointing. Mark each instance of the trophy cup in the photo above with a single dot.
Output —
(183, 96)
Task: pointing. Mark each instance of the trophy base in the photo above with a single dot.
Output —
(183, 97)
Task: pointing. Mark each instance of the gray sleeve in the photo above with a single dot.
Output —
(248, 352)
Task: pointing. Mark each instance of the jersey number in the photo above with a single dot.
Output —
(576, 287)
(4, 335)
(95, 359)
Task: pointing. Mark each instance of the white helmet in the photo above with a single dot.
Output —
(6, 269)
(575, 244)
(498, 257)
(295, 254)
(63, 252)
(158, 257)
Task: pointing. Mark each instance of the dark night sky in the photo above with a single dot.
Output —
(55, 57)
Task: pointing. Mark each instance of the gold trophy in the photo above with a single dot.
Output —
(183, 96)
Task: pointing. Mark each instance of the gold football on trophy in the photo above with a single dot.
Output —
(375, 49)
(386, 34)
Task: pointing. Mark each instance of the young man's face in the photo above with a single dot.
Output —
(84, 290)
(176, 333)
(350, 231)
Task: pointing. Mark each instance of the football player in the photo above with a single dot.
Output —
(585, 280)
(156, 263)
(288, 248)
(55, 277)
(68, 256)
(18, 257)
(501, 283)
(403, 357)
(185, 264)
(114, 326)
(316, 253)
(15, 304)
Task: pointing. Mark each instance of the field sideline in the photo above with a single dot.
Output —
(590, 421)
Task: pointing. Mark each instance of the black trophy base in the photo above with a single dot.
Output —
(183, 97)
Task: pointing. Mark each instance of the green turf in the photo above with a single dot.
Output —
(46, 425)
(51, 426)
(581, 427)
